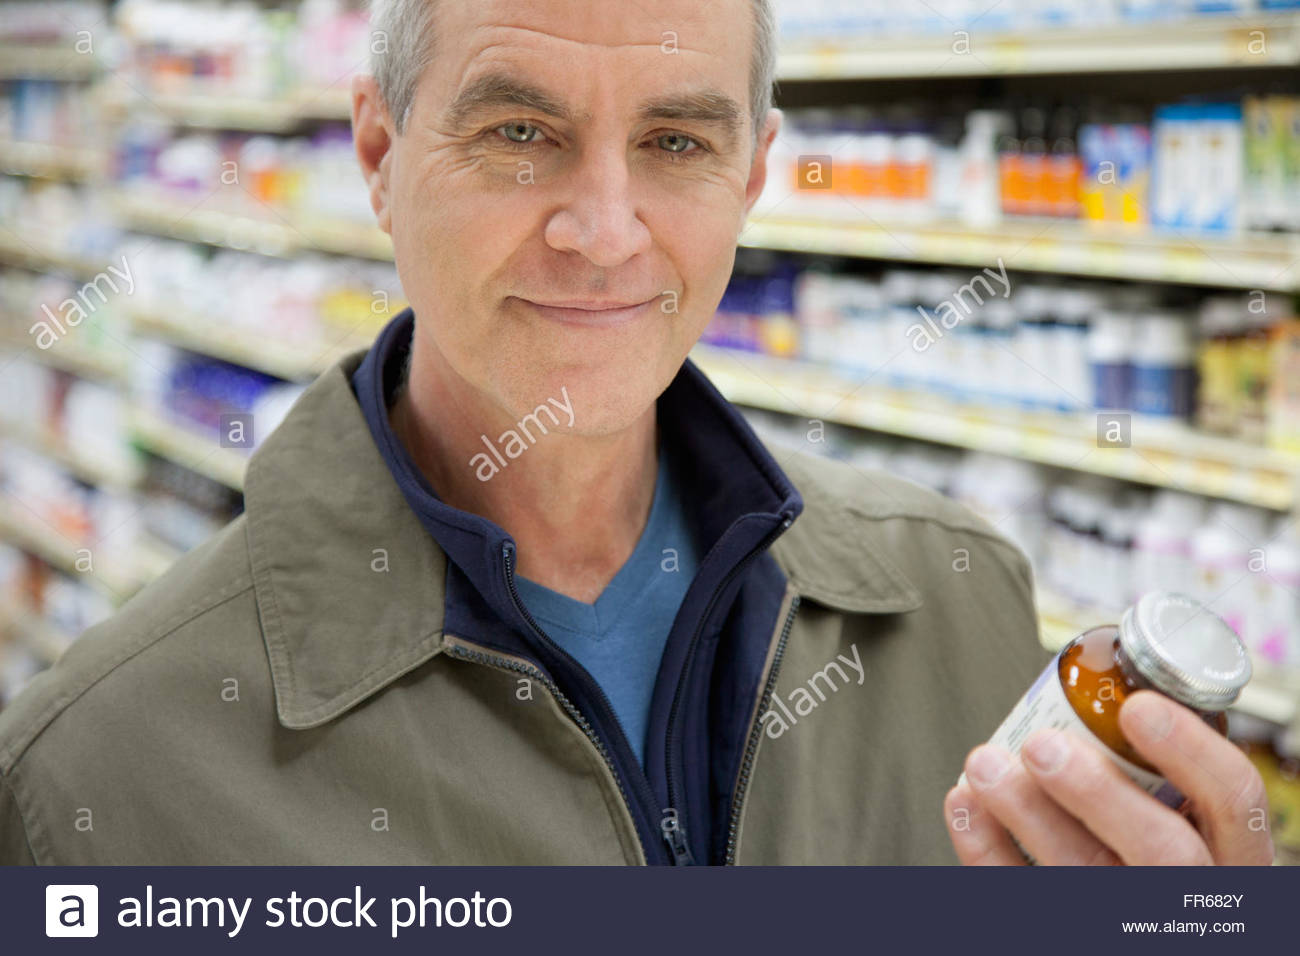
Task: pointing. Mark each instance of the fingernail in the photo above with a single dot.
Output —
(1047, 752)
(987, 765)
(1151, 716)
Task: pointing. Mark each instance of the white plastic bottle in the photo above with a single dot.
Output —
(1221, 557)
(981, 199)
(1277, 639)
(1162, 543)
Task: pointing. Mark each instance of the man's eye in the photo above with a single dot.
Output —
(676, 143)
(520, 133)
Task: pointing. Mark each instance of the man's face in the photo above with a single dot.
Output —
(500, 208)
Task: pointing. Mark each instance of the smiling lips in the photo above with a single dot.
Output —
(592, 313)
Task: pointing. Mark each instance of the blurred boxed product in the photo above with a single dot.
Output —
(1187, 168)
(1284, 397)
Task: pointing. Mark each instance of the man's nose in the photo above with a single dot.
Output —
(598, 218)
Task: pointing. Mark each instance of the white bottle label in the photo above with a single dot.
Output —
(1044, 706)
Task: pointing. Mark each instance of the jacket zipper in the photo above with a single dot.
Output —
(673, 824)
(751, 749)
(570, 708)
(505, 663)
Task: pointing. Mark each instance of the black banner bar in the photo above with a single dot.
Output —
(487, 910)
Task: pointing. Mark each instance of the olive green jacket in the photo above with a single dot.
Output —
(272, 699)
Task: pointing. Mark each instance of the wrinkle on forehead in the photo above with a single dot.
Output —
(639, 20)
(500, 52)
(656, 45)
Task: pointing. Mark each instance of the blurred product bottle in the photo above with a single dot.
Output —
(1110, 357)
(981, 188)
(1012, 187)
(1222, 551)
(1164, 367)
(778, 333)
(1277, 598)
(1219, 324)
(1162, 542)
(1254, 369)
(1284, 397)
(1063, 167)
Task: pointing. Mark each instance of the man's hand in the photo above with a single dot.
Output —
(1067, 803)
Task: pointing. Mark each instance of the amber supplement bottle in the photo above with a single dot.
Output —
(1167, 642)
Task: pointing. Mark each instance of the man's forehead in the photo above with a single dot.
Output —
(690, 23)
(649, 38)
(528, 54)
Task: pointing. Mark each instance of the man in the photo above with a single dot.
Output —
(518, 586)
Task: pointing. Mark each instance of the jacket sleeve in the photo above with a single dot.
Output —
(14, 848)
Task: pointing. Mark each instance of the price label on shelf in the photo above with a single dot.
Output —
(974, 430)
(972, 248)
(827, 61)
(945, 247)
(1038, 443)
(1102, 258)
(1009, 54)
(888, 416)
(1048, 253)
(1180, 262)
(1206, 476)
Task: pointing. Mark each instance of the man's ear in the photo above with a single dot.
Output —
(758, 167)
(373, 136)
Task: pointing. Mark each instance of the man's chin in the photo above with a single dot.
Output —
(591, 401)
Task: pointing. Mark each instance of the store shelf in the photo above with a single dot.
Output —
(66, 354)
(190, 448)
(271, 235)
(48, 160)
(292, 362)
(24, 530)
(252, 114)
(88, 468)
(192, 223)
(1238, 42)
(332, 103)
(1060, 246)
(1163, 455)
(345, 238)
(41, 257)
(1272, 694)
(45, 61)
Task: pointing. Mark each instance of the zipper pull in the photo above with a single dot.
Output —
(675, 837)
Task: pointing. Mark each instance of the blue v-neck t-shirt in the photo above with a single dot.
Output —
(620, 638)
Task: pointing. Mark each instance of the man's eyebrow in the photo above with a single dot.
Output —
(499, 89)
(709, 106)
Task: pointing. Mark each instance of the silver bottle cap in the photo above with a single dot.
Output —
(1185, 650)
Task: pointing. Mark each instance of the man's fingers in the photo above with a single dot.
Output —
(977, 837)
(1083, 780)
(1046, 831)
(1225, 789)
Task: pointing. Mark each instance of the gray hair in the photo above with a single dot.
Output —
(407, 28)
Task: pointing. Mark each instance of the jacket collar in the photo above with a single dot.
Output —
(349, 581)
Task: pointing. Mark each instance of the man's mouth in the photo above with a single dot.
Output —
(592, 313)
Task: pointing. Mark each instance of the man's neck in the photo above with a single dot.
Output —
(576, 505)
